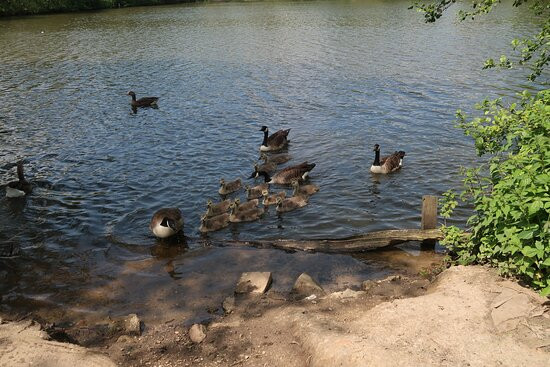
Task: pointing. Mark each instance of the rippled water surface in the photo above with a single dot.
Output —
(343, 76)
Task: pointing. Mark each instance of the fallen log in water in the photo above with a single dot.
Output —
(359, 243)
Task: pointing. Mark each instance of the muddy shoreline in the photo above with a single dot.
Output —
(463, 316)
(168, 334)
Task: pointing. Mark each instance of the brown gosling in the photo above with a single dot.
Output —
(277, 159)
(256, 191)
(214, 223)
(272, 199)
(304, 190)
(250, 204)
(245, 216)
(218, 208)
(294, 202)
(229, 187)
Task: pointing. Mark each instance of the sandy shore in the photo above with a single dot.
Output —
(467, 316)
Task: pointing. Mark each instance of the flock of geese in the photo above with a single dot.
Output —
(168, 222)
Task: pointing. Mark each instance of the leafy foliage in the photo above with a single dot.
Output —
(511, 193)
(533, 53)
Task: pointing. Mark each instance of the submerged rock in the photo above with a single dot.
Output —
(197, 333)
(305, 286)
(254, 282)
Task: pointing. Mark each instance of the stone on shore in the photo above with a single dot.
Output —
(197, 333)
(228, 304)
(254, 282)
(347, 294)
(132, 325)
(305, 286)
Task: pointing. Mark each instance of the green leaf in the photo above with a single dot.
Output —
(535, 206)
(525, 235)
(529, 251)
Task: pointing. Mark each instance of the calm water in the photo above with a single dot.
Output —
(343, 76)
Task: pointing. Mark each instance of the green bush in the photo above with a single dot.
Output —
(510, 194)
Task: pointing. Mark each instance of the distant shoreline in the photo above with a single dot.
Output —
(9, 8)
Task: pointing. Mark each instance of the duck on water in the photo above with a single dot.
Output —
(166, 222)
(387, 164)
(276, 141)
(143, 102)
(288, 174)
(21, 187)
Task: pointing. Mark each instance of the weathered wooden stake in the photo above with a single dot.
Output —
(429, 218)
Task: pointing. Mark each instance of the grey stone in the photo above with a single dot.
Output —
(367, 285)
(305, 286)
(228, 304)
(254, 282)
(347, 294)
(132, 325)
(197, 333)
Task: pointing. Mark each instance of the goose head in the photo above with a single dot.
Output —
(401, 154)
(237, 202)
(376, 148)
(279, 201)
(222, 182)
(264, 128)
(265, 193)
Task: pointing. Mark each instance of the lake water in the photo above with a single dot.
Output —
(342, 75)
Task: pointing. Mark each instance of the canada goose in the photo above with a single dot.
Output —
(214, 223)
(143, 102)
(272, 199)
(266, 167)
(166, 222)
(256, 191)
(286, 205)
(218, 208)
(288, 174)
(21, 187)
(229, 187)
(245, 215)
(274, 142)
(303, 190)
(277, 159)
(246, 206)
(387, 164)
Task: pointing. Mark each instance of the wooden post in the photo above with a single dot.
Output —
(429, 218)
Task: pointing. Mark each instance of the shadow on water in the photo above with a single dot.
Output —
(181, 283)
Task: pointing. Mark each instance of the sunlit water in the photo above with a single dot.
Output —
(343, 76)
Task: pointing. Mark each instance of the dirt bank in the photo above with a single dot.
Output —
(468, 316)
